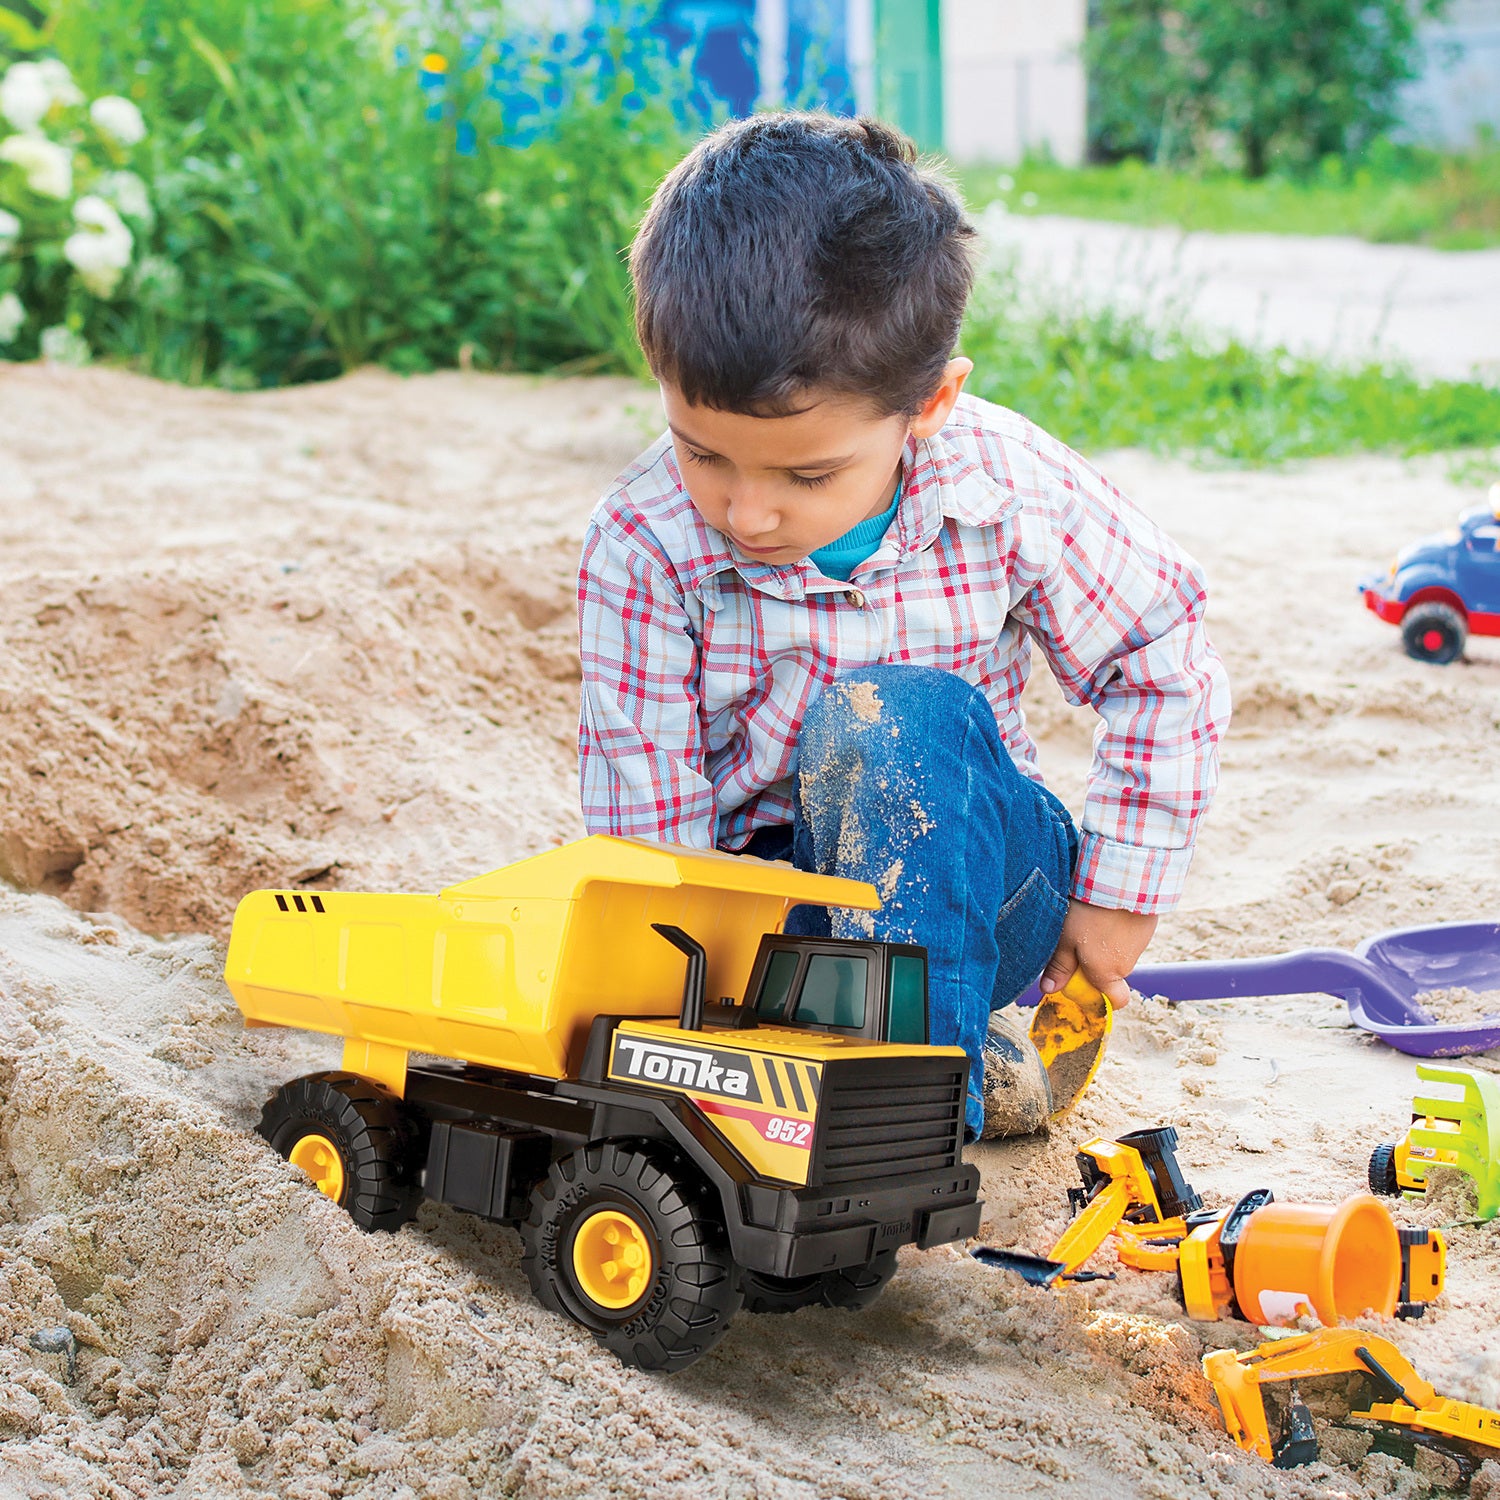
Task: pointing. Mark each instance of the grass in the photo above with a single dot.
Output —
(1399, 194)
(1105, 379)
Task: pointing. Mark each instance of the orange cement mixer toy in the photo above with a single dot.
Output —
(1268, 1262)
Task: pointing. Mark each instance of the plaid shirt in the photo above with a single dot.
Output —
(699, 664)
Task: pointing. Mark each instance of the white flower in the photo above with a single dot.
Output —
(92, 212)
(126, 192)
(60, 82)
(64, 347)
(119, 119)
(100, 251)
(24, 95)
(10, 231)
(30, 89)
(48, 167)
(12, 316)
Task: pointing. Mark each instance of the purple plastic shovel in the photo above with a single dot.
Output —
(1379, 981)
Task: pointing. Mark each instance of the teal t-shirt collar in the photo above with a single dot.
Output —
(840, 557)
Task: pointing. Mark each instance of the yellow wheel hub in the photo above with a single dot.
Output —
(319, 1158)
(613, 1260)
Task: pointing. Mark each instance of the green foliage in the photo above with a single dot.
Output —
(1392, 194)
(1283, 82)
(1105, 379)
(71, 211)
(312, 217)
(21, 29)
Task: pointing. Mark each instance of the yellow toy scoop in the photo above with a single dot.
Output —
(1068, 1029)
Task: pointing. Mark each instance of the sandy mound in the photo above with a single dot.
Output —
(326, 636)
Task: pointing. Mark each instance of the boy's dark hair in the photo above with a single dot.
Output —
(791, 251)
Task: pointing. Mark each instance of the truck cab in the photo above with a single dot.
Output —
(873, 990)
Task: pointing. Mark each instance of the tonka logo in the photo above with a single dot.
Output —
(702, 1069)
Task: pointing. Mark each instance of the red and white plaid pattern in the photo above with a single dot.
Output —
(698, 665)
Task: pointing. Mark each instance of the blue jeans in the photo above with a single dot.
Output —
(902, 780)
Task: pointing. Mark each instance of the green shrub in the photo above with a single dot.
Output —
(313, 217)
(1284, 81)
(71, 211)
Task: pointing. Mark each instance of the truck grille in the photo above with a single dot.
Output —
(881, 1119)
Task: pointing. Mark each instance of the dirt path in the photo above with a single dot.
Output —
(1437, 311)
(326, 636)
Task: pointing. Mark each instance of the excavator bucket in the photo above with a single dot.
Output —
(1036, 1269)
(1069, 1028)
(1474, 1146)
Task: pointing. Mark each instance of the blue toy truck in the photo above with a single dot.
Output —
(1443, 588)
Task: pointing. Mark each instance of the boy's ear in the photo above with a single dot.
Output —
(940, 404)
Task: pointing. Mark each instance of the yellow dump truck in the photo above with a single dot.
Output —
(666, 1161)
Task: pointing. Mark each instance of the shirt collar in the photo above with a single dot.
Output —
(939, 482)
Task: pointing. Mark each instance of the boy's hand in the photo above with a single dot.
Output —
(1105, 944)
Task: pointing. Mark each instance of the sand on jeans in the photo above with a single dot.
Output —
(324, 637)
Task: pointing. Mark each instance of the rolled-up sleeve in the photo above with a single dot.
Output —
(640, 740)
(1117, 609)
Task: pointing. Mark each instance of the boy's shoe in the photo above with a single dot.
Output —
(1017, 1095)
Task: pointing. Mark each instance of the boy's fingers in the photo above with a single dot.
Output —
(1060, 969)
(1115, 986)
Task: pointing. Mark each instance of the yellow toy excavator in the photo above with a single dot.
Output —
(1407, 1404)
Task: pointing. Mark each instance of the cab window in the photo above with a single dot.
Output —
(833, 993)
(908, 1013)
(781, 970)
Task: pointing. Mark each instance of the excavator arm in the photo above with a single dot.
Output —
(1237, 1380)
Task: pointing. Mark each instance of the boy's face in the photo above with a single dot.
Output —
(781, 487)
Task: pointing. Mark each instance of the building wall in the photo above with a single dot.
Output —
(1459, 87)
(1013, 79)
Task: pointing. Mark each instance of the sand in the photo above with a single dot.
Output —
(325, 637)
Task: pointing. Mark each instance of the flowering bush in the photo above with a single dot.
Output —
(70, 208)
(323, 199)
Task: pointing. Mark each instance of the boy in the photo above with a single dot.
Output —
(807, 611)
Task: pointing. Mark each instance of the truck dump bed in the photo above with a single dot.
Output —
(510, 969)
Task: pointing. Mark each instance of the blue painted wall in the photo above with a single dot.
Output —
(705, 52)
(718, 42)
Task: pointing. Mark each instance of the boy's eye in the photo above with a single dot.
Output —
(811, 481)
(701, 458)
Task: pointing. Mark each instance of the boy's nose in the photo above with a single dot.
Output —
(750, 517)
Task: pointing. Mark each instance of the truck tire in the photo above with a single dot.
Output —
(1383, 1180)
(853, 1287)
(1434, 633)
(780, 1294)
(858, 1286)
(351, 1137)
(621, 1238)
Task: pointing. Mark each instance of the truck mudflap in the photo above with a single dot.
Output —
(945, 1225)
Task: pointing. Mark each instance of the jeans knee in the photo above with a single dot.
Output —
(889, 695)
